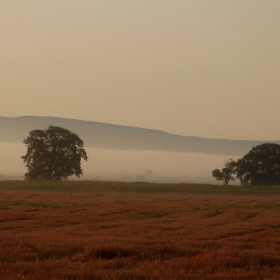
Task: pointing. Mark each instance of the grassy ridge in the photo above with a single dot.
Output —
(140, 187)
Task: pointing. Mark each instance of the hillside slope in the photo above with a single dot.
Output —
(109, 136)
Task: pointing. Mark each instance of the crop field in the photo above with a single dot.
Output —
(108, 230)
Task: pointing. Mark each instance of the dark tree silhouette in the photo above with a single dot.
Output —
(261, 166)
(53, 154)
(226, 173)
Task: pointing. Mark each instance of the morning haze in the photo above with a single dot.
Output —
(134, 153)
(201, 68)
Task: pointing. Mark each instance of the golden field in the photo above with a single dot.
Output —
(106, 230)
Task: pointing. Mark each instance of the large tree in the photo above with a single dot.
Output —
(261, 166)
(226, 173)
(53, 154)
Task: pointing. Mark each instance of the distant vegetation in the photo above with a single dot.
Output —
(53, 154)
(126, 187)
(261, 166)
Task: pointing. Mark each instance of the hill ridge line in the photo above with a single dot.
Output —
(120, 137)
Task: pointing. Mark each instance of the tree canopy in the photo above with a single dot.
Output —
(261, 166)
(53, 154)
(226, 173)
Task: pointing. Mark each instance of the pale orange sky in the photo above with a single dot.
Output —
(199, 67)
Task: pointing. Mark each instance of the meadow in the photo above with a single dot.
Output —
(116, 230)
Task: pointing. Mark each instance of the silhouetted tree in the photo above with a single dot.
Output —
(261, 166)
(226, 173)
(53, 154)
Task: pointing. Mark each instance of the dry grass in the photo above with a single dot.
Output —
(97, 235)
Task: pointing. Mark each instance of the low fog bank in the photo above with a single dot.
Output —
(124, 165)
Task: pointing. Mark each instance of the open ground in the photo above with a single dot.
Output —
(107, 230)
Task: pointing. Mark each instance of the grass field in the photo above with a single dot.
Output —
(110, 230)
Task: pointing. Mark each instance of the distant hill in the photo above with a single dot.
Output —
(109, 136)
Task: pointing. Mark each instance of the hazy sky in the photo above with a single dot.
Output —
(190, 67)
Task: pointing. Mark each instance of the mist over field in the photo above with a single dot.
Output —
(125, 153)
(121, 165)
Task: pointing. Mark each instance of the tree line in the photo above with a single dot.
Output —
(260, 166)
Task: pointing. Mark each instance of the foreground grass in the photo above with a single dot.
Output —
(107, 230)
(140, 187)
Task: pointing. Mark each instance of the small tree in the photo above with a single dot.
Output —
(53, 154)
(226, 173)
